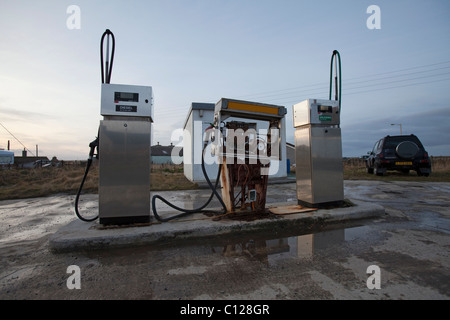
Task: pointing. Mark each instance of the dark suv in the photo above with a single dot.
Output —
(402, 153)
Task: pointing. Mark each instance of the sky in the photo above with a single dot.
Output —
(275, 52)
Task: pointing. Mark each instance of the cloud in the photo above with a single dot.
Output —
(431, 126)
(11, 114)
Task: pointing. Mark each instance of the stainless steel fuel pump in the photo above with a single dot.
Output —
(124, 164)
(123, 148)
(318, 148)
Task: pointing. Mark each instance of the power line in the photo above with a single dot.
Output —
(375, 87)
(400, 75)
(402, 86)
(403, 80)
(16, 139)
(320, 86)
(350, 84)
(401, 70)
(371, 90)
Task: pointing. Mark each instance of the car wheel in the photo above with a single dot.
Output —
(420, 174)
(377, 172)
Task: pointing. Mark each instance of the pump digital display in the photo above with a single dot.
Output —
(126, 96)
(325, 109)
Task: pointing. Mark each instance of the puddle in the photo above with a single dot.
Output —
(432, 221)
(261, 248)
(356, 232)
(301, 246)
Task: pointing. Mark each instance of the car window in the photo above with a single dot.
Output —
(392, 142)
(379, 144)
(374, 150)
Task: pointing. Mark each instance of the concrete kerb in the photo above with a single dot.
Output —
(82, 236)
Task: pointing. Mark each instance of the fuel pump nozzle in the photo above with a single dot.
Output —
(93, 145)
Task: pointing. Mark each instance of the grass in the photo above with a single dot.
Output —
(169, 177)
(39, 182)
(355, 169)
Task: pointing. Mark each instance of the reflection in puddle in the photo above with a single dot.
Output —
(303, 246)
(259, 248)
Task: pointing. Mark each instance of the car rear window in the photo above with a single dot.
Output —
(392, 142)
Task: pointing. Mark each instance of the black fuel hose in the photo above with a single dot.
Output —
(191, 211)
(106, 78)
(92, 145)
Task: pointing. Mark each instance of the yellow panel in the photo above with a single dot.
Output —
(251, 107)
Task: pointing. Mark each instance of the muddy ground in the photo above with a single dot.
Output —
(410, 245)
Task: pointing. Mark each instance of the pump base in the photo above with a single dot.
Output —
(124, 220)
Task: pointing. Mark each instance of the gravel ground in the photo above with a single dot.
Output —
(410, 245)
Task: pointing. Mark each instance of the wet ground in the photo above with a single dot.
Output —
(410, 245)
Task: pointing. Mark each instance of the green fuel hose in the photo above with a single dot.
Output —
(336, 57)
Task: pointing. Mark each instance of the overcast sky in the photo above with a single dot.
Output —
(275, 52)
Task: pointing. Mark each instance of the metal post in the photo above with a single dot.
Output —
(398, 124)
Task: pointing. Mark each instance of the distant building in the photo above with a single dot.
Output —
(6, 158)
(290, 156)
(290, 153)
(30, 162)
(201, 114)
(163, 154)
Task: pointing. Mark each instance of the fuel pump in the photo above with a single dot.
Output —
(245, 152)
(243, 156)
(318, 147)
(124, 166)
(124, 140)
